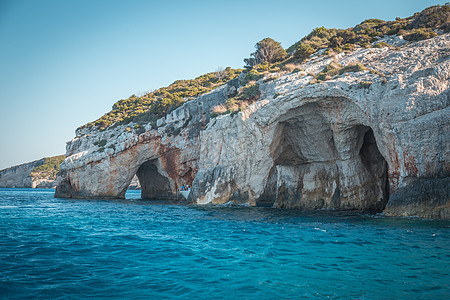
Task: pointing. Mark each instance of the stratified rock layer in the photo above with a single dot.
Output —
(375, 140)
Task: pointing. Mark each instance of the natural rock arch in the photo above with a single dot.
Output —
(319, 163)
(154, 183)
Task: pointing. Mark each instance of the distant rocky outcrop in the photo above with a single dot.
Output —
(370, 138)
(36, 174)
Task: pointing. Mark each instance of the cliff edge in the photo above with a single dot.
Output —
(372, 138)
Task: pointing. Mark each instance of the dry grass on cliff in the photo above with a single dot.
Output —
(156, 104)
(219, 109)
(291, 67)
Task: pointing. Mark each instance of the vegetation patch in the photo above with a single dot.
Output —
(329, 71)
(156, 104)
(252, 75)
(100, 143)
(352, 68)
(419, 34)
(419, 26)
(246, 96)
(334, 69)
(49, 169)
(267, 51)
(250, 92)
(365, 84)
(381, 45)
(218, 110)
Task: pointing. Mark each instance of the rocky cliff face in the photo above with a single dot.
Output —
(21, 177)
(374, 140)
(103, 163)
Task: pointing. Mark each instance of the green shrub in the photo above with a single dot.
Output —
(274, 68)
(304, 51)
(329, 71)
(432, 17)
(334, 69)
(262, 67)
(368, 31)
(100, 143)
(252, 75)
(250, 92)
(267, 51)
(348, 47)
(352, 68)
(419, 34)
(156, 104)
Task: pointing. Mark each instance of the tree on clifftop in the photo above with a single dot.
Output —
(267, 50)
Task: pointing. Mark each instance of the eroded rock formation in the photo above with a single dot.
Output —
(374, 140)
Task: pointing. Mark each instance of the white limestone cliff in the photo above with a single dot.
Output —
(21, 176)
(375, 140)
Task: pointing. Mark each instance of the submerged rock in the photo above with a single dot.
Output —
(373, 140)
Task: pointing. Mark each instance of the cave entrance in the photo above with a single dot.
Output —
(319, 165)
(376, 167)
(304, 171)
(154, 185)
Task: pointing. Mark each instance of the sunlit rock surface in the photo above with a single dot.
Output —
(375, 140)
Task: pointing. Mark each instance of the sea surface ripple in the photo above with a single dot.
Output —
(139, 249)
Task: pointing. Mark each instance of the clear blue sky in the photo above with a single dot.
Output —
(65, 63)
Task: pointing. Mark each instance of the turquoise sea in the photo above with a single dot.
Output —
(139, 249)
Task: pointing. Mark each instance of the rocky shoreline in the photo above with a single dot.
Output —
(371, 140)
(23, 176)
